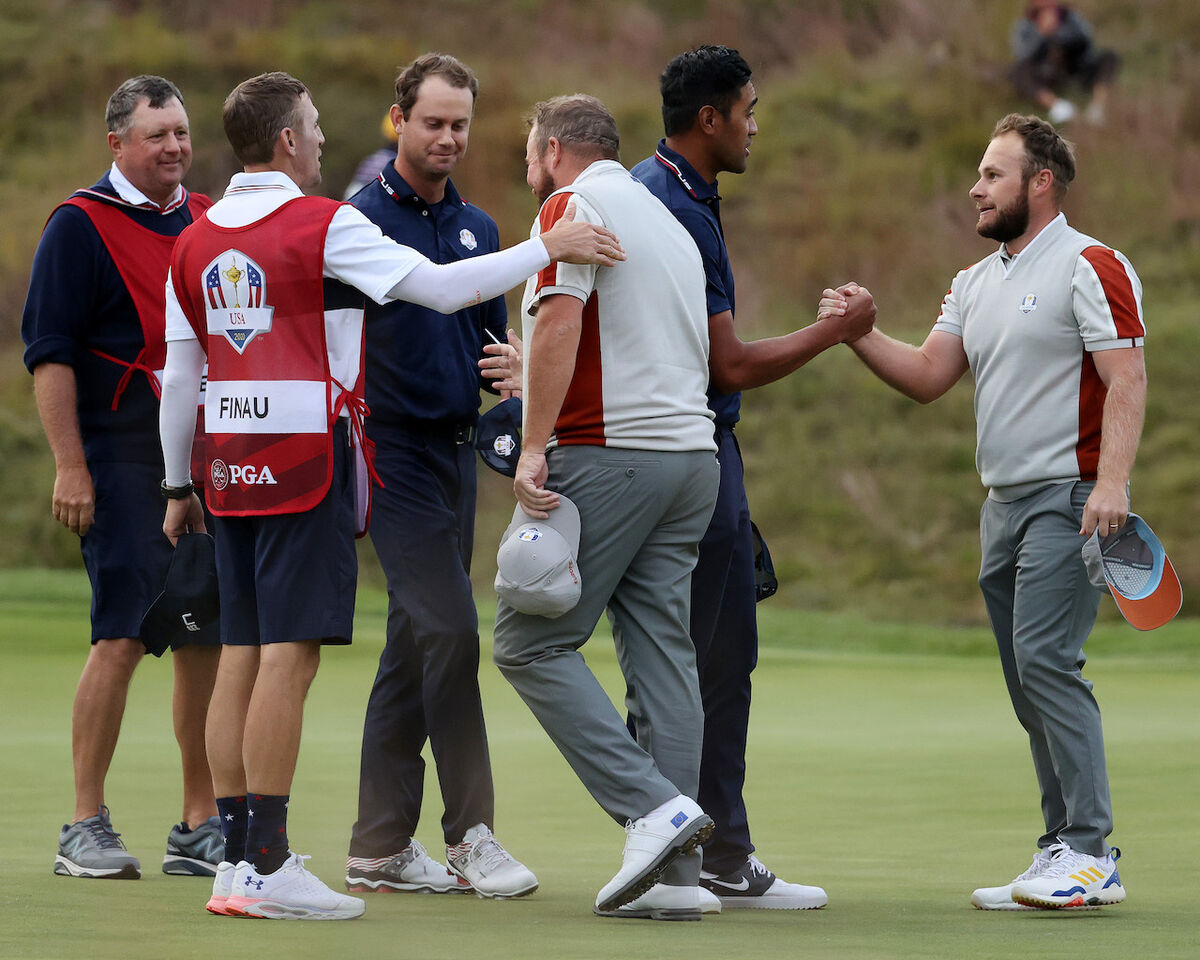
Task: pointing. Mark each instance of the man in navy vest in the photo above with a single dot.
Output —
(93, 329)
(423, 383)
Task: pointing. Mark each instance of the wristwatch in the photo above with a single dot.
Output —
(177, 493)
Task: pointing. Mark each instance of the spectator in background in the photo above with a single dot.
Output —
(1053, 49)
(368, 169)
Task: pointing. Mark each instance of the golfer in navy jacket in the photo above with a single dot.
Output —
(423, 383)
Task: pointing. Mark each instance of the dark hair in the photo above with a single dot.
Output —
(118, 115)
(1045, 149)
(578, 122)
(708, 76)
(452, 70)
(257, 110)
(1037, 6)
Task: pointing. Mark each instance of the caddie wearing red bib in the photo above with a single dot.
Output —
(93, 329)
(261, 285)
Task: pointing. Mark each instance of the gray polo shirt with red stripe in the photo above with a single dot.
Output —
(1030, 324)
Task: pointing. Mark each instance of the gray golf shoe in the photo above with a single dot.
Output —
(92, 848)
(194, 853)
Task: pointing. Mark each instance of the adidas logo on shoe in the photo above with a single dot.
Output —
(1073, 879)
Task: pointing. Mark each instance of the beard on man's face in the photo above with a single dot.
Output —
(1009, 222)
(545, 187)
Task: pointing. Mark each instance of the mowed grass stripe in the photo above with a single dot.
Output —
(897, 782)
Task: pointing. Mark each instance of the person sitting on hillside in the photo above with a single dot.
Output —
(1053, 48)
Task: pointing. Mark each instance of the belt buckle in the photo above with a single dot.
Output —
(464, 434)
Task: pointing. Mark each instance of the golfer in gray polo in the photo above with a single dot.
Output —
(615, 370)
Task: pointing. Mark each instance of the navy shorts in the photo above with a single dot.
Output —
(125, 552)
(292, 576)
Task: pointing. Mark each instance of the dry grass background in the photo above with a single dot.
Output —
(872, 118)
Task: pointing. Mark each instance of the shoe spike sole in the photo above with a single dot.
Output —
(632, 891)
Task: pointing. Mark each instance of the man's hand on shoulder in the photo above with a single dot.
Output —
(572, 241)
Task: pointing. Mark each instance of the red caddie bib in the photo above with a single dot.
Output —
(142, 258)
(254, 297)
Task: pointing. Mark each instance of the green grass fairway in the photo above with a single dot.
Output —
(898, 781)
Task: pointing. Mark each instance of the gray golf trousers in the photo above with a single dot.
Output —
(642, 514)
(1042, 608)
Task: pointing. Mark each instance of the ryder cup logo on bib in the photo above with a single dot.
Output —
(235, 293)
(1029, 304)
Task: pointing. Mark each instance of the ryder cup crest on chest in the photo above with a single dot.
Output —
(235, 299)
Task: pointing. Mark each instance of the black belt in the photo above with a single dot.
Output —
(460, 433)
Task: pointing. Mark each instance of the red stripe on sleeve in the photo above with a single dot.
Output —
(1118, 291)
(581, 419)
(551, 212)
(1092, 393)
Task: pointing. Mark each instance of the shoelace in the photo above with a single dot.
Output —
(103, 835)
(307, 883)
(630, 826)
(1067, 861)
(296, 862)
(489, 852)
(1041, 860)
(757, 868)
(414, 853)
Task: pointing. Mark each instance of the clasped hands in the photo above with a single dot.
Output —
(850, 307)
